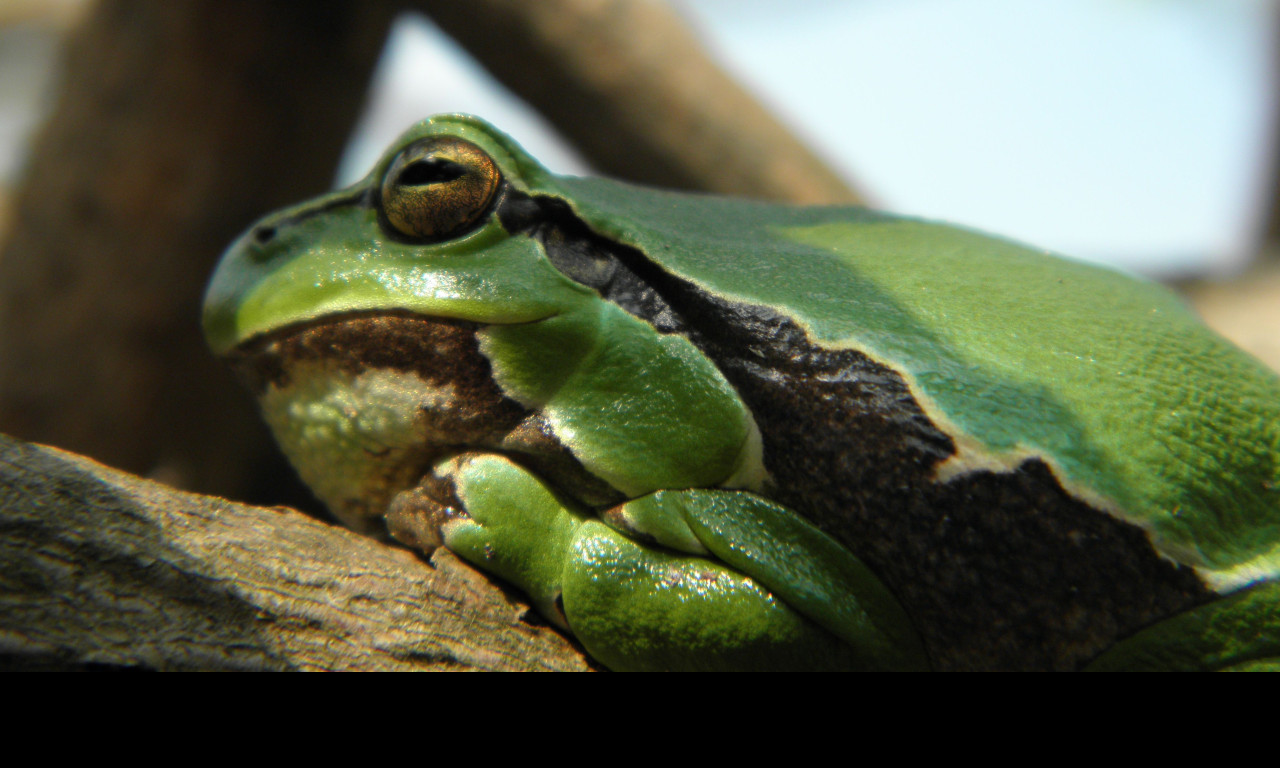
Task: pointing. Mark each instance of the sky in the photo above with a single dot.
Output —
(1122, 130)
(1135, 132)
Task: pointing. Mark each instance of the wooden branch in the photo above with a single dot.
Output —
(101, 569)
(629, 83)
(1245, 309)
(1270, 253)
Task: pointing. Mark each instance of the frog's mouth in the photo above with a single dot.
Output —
(364, 404)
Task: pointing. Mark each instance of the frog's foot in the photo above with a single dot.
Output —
(1239, 632)
(785, 554)
(646, 593)
(497, 516)
(416, 517)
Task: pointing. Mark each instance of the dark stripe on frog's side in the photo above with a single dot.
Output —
(990, 584)
(439, 351)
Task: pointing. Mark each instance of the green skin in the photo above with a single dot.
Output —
(1140, 414)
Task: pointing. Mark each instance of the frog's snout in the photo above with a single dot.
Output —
(262, 234)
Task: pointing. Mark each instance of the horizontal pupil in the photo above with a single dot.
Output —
(430, 171)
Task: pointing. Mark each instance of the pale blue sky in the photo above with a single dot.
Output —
(1131, 131)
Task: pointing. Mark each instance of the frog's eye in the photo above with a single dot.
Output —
(438, 188)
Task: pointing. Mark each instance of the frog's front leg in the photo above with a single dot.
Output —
(635, 605)
(1238, 632)
(499, 517)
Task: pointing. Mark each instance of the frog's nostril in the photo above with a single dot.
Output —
(263, 235)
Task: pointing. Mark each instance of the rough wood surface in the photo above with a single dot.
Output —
(106, 570)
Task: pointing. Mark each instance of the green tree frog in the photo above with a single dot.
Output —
(707, 433)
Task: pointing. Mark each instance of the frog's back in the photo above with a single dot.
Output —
(1135, 406)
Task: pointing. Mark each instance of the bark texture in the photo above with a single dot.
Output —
(103, 570)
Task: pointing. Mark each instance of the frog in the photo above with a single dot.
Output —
(703, 433)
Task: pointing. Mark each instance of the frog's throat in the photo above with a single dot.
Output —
(437, 350)
(364, 404)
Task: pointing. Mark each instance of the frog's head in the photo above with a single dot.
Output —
(421, 234)
(445, 303)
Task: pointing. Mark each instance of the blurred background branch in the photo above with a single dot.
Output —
(630, 85)
(175, 124)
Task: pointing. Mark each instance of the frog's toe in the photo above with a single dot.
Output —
(417, 517)
(498, 516)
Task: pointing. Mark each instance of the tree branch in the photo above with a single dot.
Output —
(629, 83)
(104, 569)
